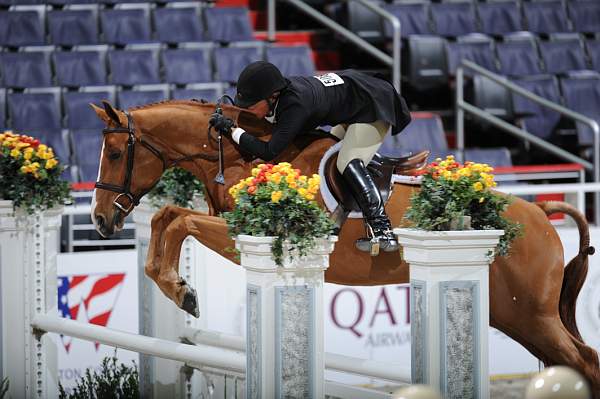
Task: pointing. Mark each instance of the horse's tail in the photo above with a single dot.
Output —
(576, 271)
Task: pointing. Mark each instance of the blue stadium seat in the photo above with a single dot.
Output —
(593, 49)
(26, 69)
(21, 28)
(73, 27)
(538, 120)
(123, 26)
(585, 15)
(492, 97)
(414, 19)
(80, 68)
(499, 18)
(561, 56)
(79, 114)
(454, 19)
(87, 144)
(230, 61)
(228, 24)
(209, 95)
(292, 60)
(184, 66)
(362, 21)
(518, 58)
(3, 122)
(546, 16)
(132, 67)
(494, 157)
(424, 132)
(582, 94)
(186, 20)
(477, 48)
(134, 98)
(428, 66)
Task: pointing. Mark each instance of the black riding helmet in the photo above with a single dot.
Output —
(257, 82)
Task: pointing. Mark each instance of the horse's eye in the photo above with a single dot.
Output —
(114, 156)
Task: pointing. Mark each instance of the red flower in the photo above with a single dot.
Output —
(251, 189)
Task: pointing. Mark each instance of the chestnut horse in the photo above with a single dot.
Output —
(532, 294)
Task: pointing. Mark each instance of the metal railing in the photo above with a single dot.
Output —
(462, 106)
(393, 62)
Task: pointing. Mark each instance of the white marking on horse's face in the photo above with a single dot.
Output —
(93, 205)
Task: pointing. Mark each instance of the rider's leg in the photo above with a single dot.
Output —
(360, 143)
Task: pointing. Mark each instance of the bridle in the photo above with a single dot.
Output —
(125, 189)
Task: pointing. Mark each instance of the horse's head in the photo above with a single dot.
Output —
(128, 169)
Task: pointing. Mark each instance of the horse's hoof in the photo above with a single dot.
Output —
(190, 302)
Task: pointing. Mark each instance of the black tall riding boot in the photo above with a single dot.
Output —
(368, 197)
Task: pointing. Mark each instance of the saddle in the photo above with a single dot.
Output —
(381, 168)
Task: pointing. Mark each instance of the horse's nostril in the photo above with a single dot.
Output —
(99, 221)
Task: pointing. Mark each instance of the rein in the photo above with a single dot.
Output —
(124, 190)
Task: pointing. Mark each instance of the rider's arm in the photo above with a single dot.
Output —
(290, 122)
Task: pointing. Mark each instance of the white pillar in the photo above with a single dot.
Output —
(159, 316)
(284, 317)
(28, 249)
(449, 308)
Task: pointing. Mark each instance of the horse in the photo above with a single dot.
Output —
(532, 295)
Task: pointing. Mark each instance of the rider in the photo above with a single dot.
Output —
(362, 108)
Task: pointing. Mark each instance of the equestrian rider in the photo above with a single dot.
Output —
(362, 108)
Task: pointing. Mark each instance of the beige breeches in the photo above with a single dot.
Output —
(359, 140)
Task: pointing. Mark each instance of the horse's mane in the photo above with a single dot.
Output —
(202, 103)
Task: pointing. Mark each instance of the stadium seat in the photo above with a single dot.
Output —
(518, 58)
(593, 49)
(494, 157)
(546, 16)
(492, 97)
(292, 60)
(561, 56)
(230, 61)
(123, 26)
(228, 24)
(79, 114)
(22, 28)
(133, 98)
(582, 94)
(25, 69)
(364, 22)
(184, 66)
(3, 121)
(73, 27)
(499, 18)
(477, 48)
(414, 19)
(538, 120)
(209, 95)
(80, 68)
(427, 61)
(585, 15)
(186, 20)
(38, 114)
(424, 132)
(132, 67)
(87, 144)
(454, 18)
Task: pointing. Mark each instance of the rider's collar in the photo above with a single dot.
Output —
(271, 119)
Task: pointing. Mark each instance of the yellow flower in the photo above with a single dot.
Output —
(15, 153)
(478, 186)
(42, 147)
(255, 171)
(289, 179)
(446, 174)
(293, 185)
(275, 178)
(309, 197)
(35, 166)
(302, 191)
(52, 162)
(276, 196)
(24, 169)
(302, 179)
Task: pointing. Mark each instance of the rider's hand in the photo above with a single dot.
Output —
(221, 123)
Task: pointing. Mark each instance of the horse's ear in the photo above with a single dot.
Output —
(101, 113)
(110, 111)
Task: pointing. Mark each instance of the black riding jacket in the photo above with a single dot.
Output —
(346, 97)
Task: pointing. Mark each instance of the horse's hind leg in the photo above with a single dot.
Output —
(210, 231)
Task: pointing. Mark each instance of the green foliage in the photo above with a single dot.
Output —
(30, 175)
(178, 186)
(111, 381)
(4, 388)
(278, 202)
(450, 191)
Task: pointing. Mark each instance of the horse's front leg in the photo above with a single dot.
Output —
(211, 231)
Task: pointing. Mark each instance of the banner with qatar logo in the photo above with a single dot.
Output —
(99, 288)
